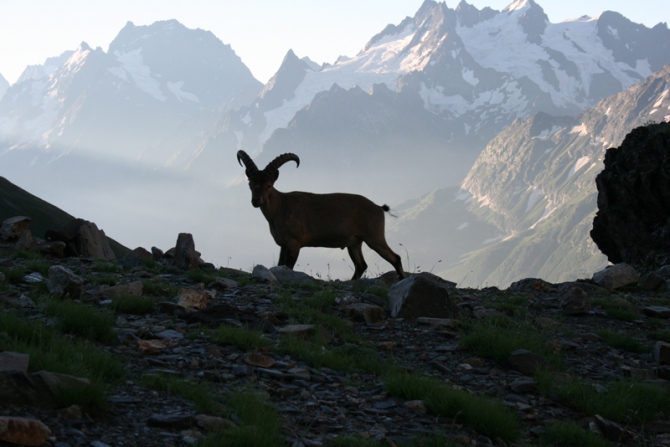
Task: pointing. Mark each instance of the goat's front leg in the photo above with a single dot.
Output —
(291, 253)
(282, 255)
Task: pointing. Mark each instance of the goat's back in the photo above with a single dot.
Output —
(332, 220)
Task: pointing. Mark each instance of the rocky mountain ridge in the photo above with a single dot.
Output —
(475, 70)
(528, 203)
(119, 103)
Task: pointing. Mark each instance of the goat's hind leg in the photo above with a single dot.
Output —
(383, 250)
(356, 254)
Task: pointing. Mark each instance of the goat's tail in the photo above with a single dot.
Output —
(386, 209)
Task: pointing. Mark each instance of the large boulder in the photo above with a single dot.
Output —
(13, 227)
(63, 282)
(83, 239)
(283, 274)
(185, 256)
(615, 276)
(92, 243)
(422, 296)
(633, 220)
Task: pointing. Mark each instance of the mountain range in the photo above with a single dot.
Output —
(460, 102)
(527, 205)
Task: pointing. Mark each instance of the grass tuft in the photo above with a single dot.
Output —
(310, 311)
(618, 309)
(624, 401)
(498, 337)
(136, 305)
(50, 350)
(200, 393)
(486, 416)
(239, 337)
(662, 335)
(261, 423)
(622, 341)
(569, 434)
(348, 357)
(81, 320)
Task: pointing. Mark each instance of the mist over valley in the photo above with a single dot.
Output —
(483, 130)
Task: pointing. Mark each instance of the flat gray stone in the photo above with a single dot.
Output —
(169, 334)
(657, 311)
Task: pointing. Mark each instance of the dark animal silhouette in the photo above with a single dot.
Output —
(303, 219)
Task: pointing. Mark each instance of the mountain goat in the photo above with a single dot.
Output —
(303, 219)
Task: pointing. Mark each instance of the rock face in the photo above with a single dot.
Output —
(633, 220)
(421, 296)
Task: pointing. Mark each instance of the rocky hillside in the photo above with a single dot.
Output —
(206, 356)
(44, 216)
(528, 203)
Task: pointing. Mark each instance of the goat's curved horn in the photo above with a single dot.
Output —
(281, 159)
(242, 157)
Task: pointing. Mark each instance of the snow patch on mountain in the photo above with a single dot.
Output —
(579, 164)
(570, 55)
(535, 195)
(382, 63)
(548, 211)
(175, 88)
(133, 63)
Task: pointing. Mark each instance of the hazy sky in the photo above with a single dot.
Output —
(260, 31)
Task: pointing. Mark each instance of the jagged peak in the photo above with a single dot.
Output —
(468, 15)
(284, 82)
(389, 30)
(518, 5)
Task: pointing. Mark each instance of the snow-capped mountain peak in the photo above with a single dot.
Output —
(519, 5)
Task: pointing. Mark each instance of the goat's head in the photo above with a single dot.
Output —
(261, 182)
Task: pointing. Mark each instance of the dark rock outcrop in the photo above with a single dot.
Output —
(633, 220)
(83, 239)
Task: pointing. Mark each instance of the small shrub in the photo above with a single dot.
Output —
(136, 305)
(622, 341)
(82, 320)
